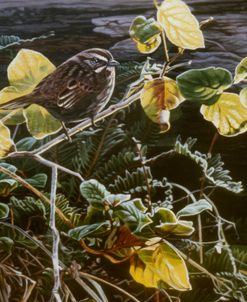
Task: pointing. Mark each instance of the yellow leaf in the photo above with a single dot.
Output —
(40, 122)
(181, 27)
(27, 69)
(6, 144)
(228, 115)
(25, 72)
(160, 263)
(158, 97)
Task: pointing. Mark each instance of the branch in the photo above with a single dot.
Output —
(44, 161)
(88, 122)
(55, 238)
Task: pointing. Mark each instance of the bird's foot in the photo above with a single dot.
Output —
(65, 130)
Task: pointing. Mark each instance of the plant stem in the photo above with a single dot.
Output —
(44, 161)
(55, 237)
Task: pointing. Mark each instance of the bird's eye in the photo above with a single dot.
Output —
(95, 60)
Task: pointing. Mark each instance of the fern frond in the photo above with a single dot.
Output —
(212, 166)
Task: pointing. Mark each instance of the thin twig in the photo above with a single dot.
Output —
(46, 162)
(55, 238)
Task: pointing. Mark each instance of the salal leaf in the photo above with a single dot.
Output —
(90, 230)
(146, 33)
(26, 143)
(38, 180)
(116, 199)
(180, 25)
(241, 71)
(40, 122)
(204, 85)
(4, 211)
(7, 145)
(160, 263)
(195, 208)
(228, 115)
(25, 72)
(94, 192)
(158, 97)
(243, 97)
(133, 214)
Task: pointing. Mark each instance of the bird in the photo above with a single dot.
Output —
(77, 89)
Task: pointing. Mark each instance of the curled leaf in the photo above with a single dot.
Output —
(243, 97)
(228, 115)
(158, 97)
(180, 25)
(146, 33)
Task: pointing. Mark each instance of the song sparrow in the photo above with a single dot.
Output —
(78, 88)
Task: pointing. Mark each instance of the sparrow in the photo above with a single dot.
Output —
(77, 89)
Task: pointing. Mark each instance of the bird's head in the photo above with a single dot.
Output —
(98, 59)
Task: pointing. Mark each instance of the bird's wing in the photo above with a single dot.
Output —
(78, 85)
(69, 84)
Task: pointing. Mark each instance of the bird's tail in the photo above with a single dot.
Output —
(17, 103)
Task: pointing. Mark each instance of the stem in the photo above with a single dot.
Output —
(165, 46)
(88, 122)
(55, 237)
(44, 161)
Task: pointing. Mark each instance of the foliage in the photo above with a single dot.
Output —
(108, 201)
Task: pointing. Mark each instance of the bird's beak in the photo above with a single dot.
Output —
(113, 63)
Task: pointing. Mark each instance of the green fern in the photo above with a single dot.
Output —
(212, 167)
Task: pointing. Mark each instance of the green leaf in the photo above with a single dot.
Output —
(143, 29)
(94, 192)
(38, 180)
(166, 223)
(6, 244)
(133, 213)
(241, 71)
(195, 208)
(146, 33)
(160, 263)
(243, 97)
(26, 144)
(7, 184)
(204, 85)
(90, 230)
(4, 211)
(116, 199)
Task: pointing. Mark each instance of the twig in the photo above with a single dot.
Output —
(88, 122)
(55, 237)
(44, 161)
